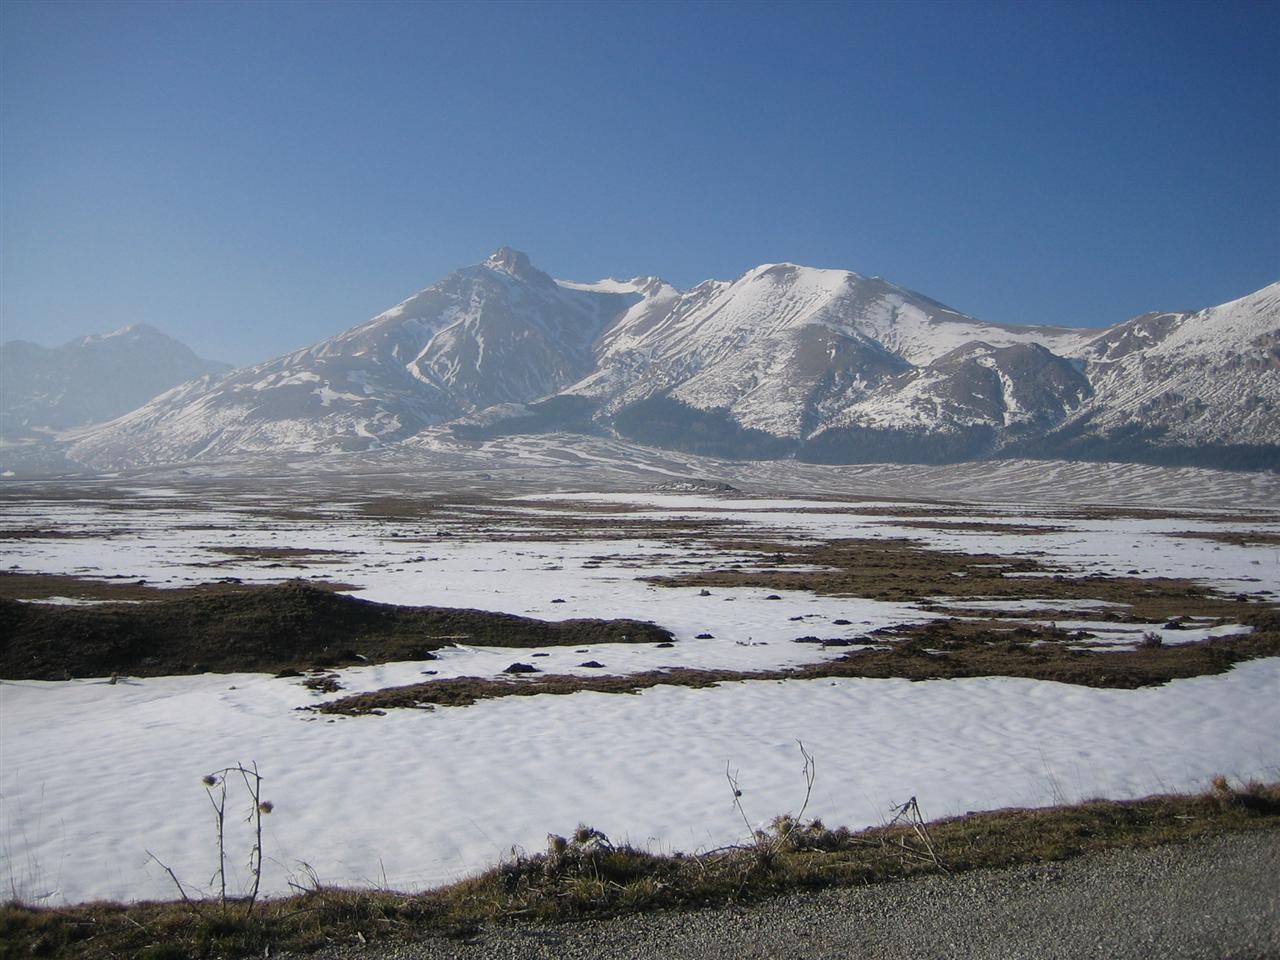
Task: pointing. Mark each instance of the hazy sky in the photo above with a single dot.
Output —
(253, 177)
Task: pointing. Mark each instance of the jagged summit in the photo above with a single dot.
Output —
(510, 259)
(515, 264)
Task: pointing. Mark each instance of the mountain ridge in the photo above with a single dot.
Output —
(784, 361)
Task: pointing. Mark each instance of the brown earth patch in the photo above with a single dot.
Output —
(248, 552)
(901, 570)
(53, 533)
(943, 649)
(1236, 538)
(1158, 513)
(979, 526)
(429, 520)
(119, 588)
(264, 629)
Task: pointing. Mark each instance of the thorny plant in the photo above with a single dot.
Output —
(788, 831)
(768, 844)
(908, 814)
(215, 785)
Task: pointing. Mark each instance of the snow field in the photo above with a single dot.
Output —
(110, 772)
(94, 775)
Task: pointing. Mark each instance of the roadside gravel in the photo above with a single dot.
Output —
(1217, 898)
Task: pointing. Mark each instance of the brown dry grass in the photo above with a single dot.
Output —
(1236, 538)
(265, 629)
(903, 571)
(943, 649)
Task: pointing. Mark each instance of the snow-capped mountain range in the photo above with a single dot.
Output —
(785, 361)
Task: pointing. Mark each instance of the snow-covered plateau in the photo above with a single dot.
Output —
(97, 775)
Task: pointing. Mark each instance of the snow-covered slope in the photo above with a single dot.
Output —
(90, 379)
(717, 317)
(1206, 378)
(785, 351)
(785, 361)
(970, 401)
(832, 366)
(493, 333)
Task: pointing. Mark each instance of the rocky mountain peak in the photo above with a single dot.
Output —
(515, 264)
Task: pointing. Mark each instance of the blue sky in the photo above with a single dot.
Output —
(253, 177)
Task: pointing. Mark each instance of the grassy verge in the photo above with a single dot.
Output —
(587, 876)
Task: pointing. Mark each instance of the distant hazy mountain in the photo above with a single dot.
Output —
(91, 379)
(785, 361)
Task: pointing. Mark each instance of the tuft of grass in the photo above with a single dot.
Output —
(586, 875)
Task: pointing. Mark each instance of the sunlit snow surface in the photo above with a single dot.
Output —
(95, 775)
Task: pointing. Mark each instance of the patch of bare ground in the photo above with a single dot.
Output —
(1236, 538)
(668, 532)
(55, 533)
(942, 649)
(264, 629)
(1159, 513)
(63, 491)
(408, 508)
(249, 552)
(465, 691)
(272, 557)
(901, 570)
(527, 523)
(585, 875)
(979, 526)
(118, 588)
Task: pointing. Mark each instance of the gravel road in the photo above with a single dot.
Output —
(1217, 898)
